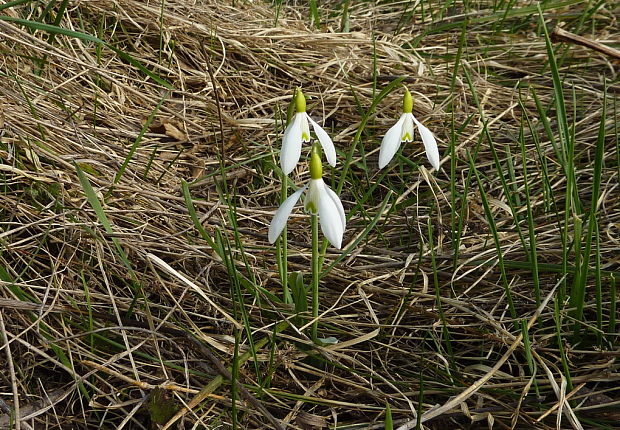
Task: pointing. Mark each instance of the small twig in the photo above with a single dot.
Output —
(142, 385)
(558, 405)
(565, 36)
(162, 264)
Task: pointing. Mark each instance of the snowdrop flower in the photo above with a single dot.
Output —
(402, 131)
(320, 199)
(298, 131)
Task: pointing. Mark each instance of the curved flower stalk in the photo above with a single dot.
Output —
(402, 131)
(320, 200)
(298, 131)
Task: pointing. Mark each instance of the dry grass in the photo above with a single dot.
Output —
(91, 345)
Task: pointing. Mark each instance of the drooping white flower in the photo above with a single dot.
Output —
(321, 200)
(402, 131)
(298, 131)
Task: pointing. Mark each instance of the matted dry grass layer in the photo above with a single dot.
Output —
(86, 355)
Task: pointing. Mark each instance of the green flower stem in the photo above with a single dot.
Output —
(315, 275)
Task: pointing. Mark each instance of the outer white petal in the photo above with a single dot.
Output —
(391, 142)
(430, 144)
(284, 211)
(338, 204)
(326, 142)
(331, 218)
(291, 144)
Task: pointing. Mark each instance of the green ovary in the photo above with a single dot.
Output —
(311, 207)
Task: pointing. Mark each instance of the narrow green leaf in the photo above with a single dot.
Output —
(493, 228)
(136, 143)
(578, 292)
(389, 423)
(94, 202)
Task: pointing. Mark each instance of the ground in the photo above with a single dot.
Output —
(139, 150)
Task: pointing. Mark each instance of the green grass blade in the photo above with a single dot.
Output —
(507, 190)
(479, 18)
(457, 60)
(94, 202)
(389, 423)
(442, 317)
(136, 143)
(235, 287)
(493, 228)
(577, 300)
(533, 256)
(360, 237)
(572, 202)
(13, 3)
(197, 224)
(598, 286)
(315, 19)
(549, 195)
(53, 29)
(565, 135)
(345, 23)
(234, 410)
(557, 316)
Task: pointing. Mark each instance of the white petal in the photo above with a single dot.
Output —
(391, 142)
(430, 144)
(326, 142)
(331, 218)
(291, 145)
(284, 211)
(338, 204)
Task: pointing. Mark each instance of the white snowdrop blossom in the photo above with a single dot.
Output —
(402, 131)
(321, 200)
(298, 131)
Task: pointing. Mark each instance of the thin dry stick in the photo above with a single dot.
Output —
(559, 404)
(567, 36)
(9, 359)
(161, 263)
(141, 384)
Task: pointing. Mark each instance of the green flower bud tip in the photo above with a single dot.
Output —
(316, 165)
(407, 102)
(300, 101)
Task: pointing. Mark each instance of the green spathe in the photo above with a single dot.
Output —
(316, 166)
(300, 101)
(407, 102)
